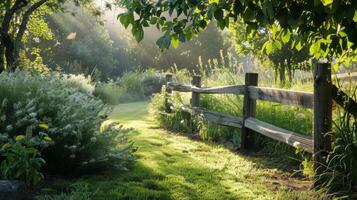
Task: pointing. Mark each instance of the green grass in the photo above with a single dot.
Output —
(170, 166)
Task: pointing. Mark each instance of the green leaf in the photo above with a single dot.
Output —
(153, 20)
(210, 12)
(126, 19)
(298, 46)
(268, 46)
(277, 44)
(285, 36)
(355, 16)
(326, 2)
(175, 42)
(164, 42)
(218, 14)
(182, 37)
(138, 32)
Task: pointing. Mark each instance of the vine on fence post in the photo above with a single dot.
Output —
(249, 109)
(322, 118)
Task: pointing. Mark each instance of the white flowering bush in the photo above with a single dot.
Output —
(62, 109)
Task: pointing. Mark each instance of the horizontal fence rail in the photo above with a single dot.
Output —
(280, 134)
(218, 118)
(231, 89)
(347, 76)
(344, 100)
(287, 97)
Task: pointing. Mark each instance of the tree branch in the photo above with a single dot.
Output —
(23, 25)
(10, 13)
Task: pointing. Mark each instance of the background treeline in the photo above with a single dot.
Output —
(81, 43)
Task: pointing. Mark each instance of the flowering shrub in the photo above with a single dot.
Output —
(62, 109)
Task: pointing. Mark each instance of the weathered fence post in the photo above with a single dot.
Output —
(195, 100)
(168, 92)
(322, 118)
(249, 109)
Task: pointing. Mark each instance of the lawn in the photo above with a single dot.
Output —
(170, 166)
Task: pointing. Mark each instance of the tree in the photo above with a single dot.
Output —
(14, 18)
(328, 27)
(89, 49)
(284, 59)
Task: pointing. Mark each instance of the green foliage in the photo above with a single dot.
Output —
(23, 21)
(78, 191)
(328, 27)
(90, 49)
(171, 166)
(63, 108)
(342, 160)
(176, 120)
(132, 86)
(217, 74)
(21, 159)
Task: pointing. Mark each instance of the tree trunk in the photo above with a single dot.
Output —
(2, 61)
(23, 27)
(276, 73)
(290, 72)
(282, 73)
(8, 46)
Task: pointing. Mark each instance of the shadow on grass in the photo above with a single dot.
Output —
(287, 164)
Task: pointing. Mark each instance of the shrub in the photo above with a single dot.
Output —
(132, 86)
(22, 160)
(62, 108)
(176, 120)
(79, 191)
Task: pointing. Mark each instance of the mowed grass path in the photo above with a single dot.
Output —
(170, 166)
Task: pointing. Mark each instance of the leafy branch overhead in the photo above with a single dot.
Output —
(328, 27)
(18, 18)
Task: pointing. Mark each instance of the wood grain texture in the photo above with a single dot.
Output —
(287, 97)
(179, 87)
(322, 118)
(280, 134)
(247, 136)
(195, 96)
(218, 118)
(230, 89)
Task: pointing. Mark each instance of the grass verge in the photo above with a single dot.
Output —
(172, 166)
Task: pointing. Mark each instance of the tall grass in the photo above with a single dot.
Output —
(231, 72)
(342, 161)
(132, 86)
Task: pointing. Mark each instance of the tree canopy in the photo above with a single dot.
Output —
(328, 27)
(15, 16)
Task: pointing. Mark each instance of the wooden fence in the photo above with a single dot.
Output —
(320, 101)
